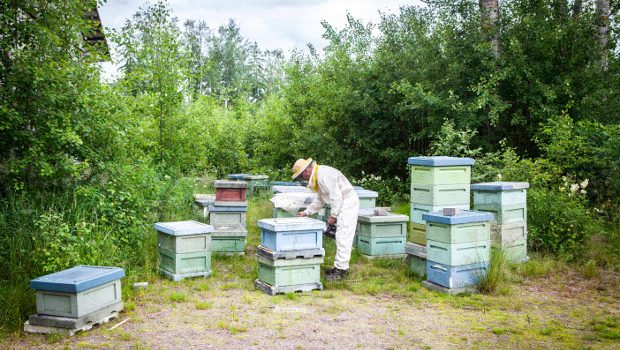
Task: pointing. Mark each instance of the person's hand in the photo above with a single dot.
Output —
(331, 220)
(301, 214)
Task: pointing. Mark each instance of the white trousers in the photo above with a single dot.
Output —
(345, 233)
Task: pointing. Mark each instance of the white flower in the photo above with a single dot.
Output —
(585, 183)
(574, 188)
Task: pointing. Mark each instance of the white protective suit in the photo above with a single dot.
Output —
(337, 191)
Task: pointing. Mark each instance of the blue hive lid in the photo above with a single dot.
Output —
(284, 183)
(466, 216)
(500, 186)
(77, 279)
(183, 228)
(221, 209)
(237, 176)
(440, 161)
(291, 224)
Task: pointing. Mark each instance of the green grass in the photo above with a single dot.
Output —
(177, 297)
(495, 281)
(606, 328)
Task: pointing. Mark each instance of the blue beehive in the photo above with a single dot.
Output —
(282, 234)
(458, 247)
(78, 291)
(238, 177)
(455, 276)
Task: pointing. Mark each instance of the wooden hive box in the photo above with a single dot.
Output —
(179, 266)
(289, 272)
(392, 225)
(234, 191)
(417, 233)
(78, 291)
(229, 238)
(291, 233)
(227, 215)
(440, 195)
(417, 210)
(440, 170)
(468, 226)
(455, 276)
(458, 254)
(202, 203)
(507, 234)
(506, 214)
(416, 255)
(516, 251)
(367, 198)
(179, 237)
(256, 183)
(381, 246)
(500, 193)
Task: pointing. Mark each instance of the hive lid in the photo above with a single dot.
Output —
(391, 217)
(287, 189)
(222, 208)
(231, 230)
(291, 224)
(500, 186)
(464, 217)
(237, 176)
(204, 200)
(229, 184)
(255, 177)
(415, 249)
(440, 161)
(183, 228)
(366, 193)
(77, 279)
(285, 183)
(230, 203)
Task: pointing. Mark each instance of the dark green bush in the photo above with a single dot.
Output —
(559, 222)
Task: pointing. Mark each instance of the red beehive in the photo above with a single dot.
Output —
(230, 191)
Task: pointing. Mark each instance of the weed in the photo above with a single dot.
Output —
(495, 280)
(608, 328)
(237, 329)
(590, 270)
(498, 331)
(203, 305)
(292, 296)
(53, 338)
(177, 297)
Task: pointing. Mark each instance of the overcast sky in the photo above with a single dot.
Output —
(283, 24)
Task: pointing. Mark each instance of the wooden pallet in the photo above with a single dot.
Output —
(45, 324)
(271, 290)
(290, 254)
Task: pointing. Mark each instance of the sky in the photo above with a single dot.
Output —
(273, 24)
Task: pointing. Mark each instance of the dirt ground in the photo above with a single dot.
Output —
(558, 312)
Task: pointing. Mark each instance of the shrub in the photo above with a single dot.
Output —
(559, 223)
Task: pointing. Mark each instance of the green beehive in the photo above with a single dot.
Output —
(440, 170)
(458, 233)
(516, 251)
(416, 255)
(227, 218)
(229, 239)
(418, 233)
(500, 193)
(183, 236)
(367, 198)
(290, 272)
(506, 214)
(458, 254)
(440, 195)
(256, 183)
(507, 234)
(179, 266)
(381, 246)
(391, 225)
(78, 291)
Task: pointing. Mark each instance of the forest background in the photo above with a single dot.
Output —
(530, 89)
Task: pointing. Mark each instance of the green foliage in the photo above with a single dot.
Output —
(496, 280)
(558, 223)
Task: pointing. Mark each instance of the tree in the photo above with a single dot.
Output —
(489, 17)
(602, 30)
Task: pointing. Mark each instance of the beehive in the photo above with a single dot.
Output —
(440, 170)
(184, 249)
(78, 291)
(228, 239)
(381, 246)
(202, 203)
(417, 210)
(391, 225)
(227, 215)
(234, 191)
(453, 277)
(296, 233)
(367, 198)
(416, 254)
(418, 233)
(440, 195)
(256, 183)
(290, 271)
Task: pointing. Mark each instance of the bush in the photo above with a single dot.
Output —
(559, 223)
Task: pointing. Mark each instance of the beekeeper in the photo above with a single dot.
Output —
(334, 189)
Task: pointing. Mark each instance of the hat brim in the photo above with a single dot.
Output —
(300, 171)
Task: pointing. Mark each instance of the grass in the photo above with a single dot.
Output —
(496, 279)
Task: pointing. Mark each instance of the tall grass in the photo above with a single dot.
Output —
(496, 280)
(104, 223)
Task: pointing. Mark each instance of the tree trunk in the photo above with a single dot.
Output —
(577, 6)
(602, 29)
(489, 15)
